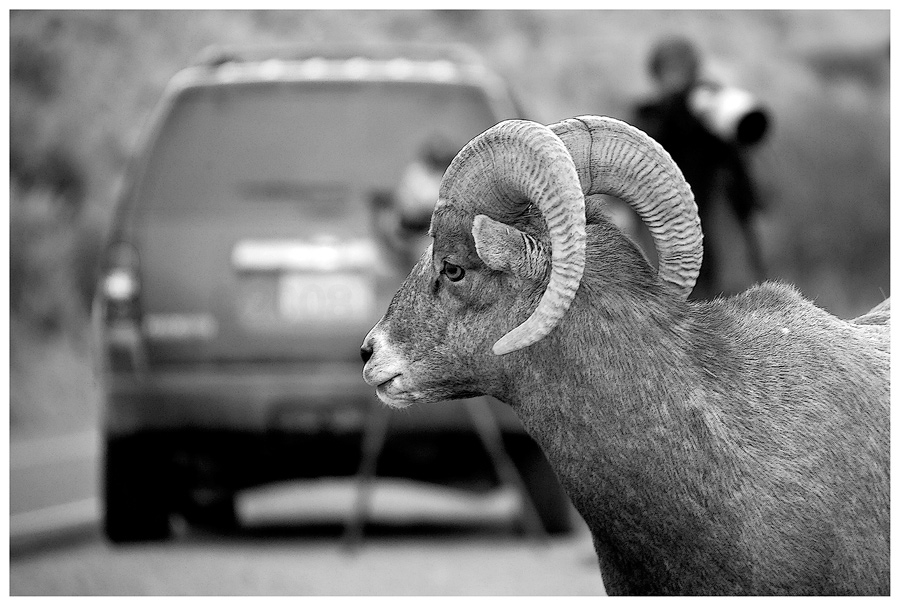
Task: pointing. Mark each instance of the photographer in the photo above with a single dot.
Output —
(681, 120)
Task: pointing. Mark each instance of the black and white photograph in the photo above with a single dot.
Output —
(480, 301)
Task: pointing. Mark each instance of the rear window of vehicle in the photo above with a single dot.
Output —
(322, 145)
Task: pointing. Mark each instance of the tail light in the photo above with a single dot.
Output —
(121, 284)
(120, 289)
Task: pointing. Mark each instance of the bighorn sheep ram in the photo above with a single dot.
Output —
(733, 446)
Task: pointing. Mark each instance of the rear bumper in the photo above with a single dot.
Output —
(259, 398)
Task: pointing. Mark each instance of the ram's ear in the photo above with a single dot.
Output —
(505, 248)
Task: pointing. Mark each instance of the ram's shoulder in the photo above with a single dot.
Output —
(775, 307)
(764, 314)
(772, 296)
(774, 302)
(780, 300)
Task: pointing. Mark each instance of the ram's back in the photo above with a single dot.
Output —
(813, 411)
(786, 351)
(774, 318)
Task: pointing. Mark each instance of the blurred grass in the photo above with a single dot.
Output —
(83, 82)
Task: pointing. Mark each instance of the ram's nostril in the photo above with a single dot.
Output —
(365, 352)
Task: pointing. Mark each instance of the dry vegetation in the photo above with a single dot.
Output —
(82, 83)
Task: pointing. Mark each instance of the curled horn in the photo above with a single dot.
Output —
(501, 173)
(515, 164)
(617, 159)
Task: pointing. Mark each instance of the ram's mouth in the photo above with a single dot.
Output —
(384, 384)
(393, 394)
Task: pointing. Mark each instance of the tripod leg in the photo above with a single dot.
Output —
(374, 436)
(754, 250)
(489, 433)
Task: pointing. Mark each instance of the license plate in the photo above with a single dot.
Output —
(311, 298)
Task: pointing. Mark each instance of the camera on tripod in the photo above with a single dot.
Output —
(732, 114)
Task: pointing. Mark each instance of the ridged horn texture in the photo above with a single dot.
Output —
(617, 159)
(501, 173)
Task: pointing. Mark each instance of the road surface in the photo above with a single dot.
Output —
(421, 540)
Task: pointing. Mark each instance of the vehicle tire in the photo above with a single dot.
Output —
(552, 503)
(210, 473)
(136, 495)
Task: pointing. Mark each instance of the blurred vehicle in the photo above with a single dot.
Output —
(245, 266)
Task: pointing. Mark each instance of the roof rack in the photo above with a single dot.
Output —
(215, 56)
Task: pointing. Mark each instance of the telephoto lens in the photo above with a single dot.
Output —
(732, 114)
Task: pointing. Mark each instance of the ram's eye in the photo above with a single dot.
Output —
(453, 272)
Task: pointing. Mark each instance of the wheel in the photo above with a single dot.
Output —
(136, 495)
(552, 503)
(209, 470)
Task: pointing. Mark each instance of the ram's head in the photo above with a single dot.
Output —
(509, 249)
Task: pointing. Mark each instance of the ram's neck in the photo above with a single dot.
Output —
(619, 413)
(609, 376)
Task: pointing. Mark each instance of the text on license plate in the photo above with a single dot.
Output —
(325, 298)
